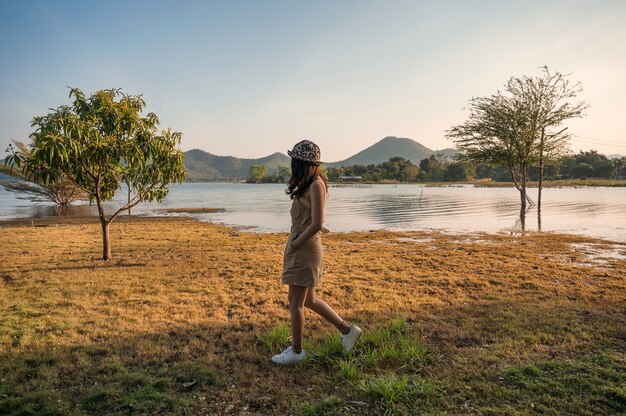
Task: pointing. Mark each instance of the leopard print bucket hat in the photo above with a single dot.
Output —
(307, 151)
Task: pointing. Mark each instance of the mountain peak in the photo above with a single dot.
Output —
(385, 149)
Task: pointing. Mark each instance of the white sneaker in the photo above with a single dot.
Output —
(348, 340)
(289, 357)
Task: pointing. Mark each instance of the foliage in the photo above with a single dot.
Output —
(275, 338)
(590, 164)
(397, 169)
(257, 172)
(99, 142)
(520, 126)
(60, 191)
(433, 169)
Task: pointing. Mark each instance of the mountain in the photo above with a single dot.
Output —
(615, 156)
(204, 166)
(385, 149)
(447, 153)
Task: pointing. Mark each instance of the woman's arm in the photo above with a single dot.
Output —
(318, 199)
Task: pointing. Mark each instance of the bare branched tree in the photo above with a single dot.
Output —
(521, 126)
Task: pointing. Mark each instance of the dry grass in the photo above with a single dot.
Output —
(184, 318)
(191, 210)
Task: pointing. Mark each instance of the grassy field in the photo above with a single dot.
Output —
(184, 318)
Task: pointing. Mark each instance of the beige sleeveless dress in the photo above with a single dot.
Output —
(303, 266)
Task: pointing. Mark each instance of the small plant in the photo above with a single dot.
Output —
(392, 344)
(331, 347)
(395, 394)
(348, 368)
(276, 338)
(387, 389)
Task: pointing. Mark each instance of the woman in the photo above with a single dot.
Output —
(302, 268)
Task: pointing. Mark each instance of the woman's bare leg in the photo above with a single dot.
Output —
(297, 296)
(323, 309)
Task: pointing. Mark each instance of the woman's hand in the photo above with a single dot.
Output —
(293, 245)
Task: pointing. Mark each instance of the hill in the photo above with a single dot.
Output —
(447, 153)
(384, 150)
(204, 166)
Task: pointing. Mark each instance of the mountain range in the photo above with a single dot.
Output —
(204, 166)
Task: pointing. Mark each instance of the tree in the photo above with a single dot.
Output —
(458, 171)
(257, 172)
(520, 127)
(99, 142)
(284, 172)
(602, 166)
(60, 191)
(409, 172)
(583, 170)
(432, 168)
(619, 167)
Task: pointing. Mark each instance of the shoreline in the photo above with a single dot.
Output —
(406, 235)
(188, 214)
(565, 183)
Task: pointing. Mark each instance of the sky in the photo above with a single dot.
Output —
(250, 78)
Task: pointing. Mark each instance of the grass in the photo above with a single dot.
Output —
(276, 338)
(184, 318)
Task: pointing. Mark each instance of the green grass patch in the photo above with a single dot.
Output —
(276, 338)
(591, 386)
(396, 394)
(330, 406)
(393, 345)
(349, 368)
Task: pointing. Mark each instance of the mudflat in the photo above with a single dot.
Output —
(186, 315)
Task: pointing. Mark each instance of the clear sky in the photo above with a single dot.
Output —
(249, 78)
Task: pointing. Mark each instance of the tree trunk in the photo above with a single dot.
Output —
(539, 220)
(128, 184)
(106, 246)
(523, 191)
(543, 132)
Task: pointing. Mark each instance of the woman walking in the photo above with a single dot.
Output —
(302, 268)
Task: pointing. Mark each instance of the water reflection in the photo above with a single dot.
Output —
(591, 211)
(41, 211)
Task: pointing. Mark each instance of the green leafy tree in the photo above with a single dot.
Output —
(409, 172)
(433, 168)
(619, 167)
(521, 126)
(284, 173)
(257, 172)
(583, 170)
(99, 142)
(602, 165)
(332, 174)
(458, 171)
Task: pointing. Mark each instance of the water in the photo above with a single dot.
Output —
(599, 212)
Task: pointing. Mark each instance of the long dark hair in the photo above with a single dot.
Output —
(303, 174)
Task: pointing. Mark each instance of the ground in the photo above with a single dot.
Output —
(184, 318)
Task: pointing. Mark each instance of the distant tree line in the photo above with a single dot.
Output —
(261, 173)
(584, 165)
